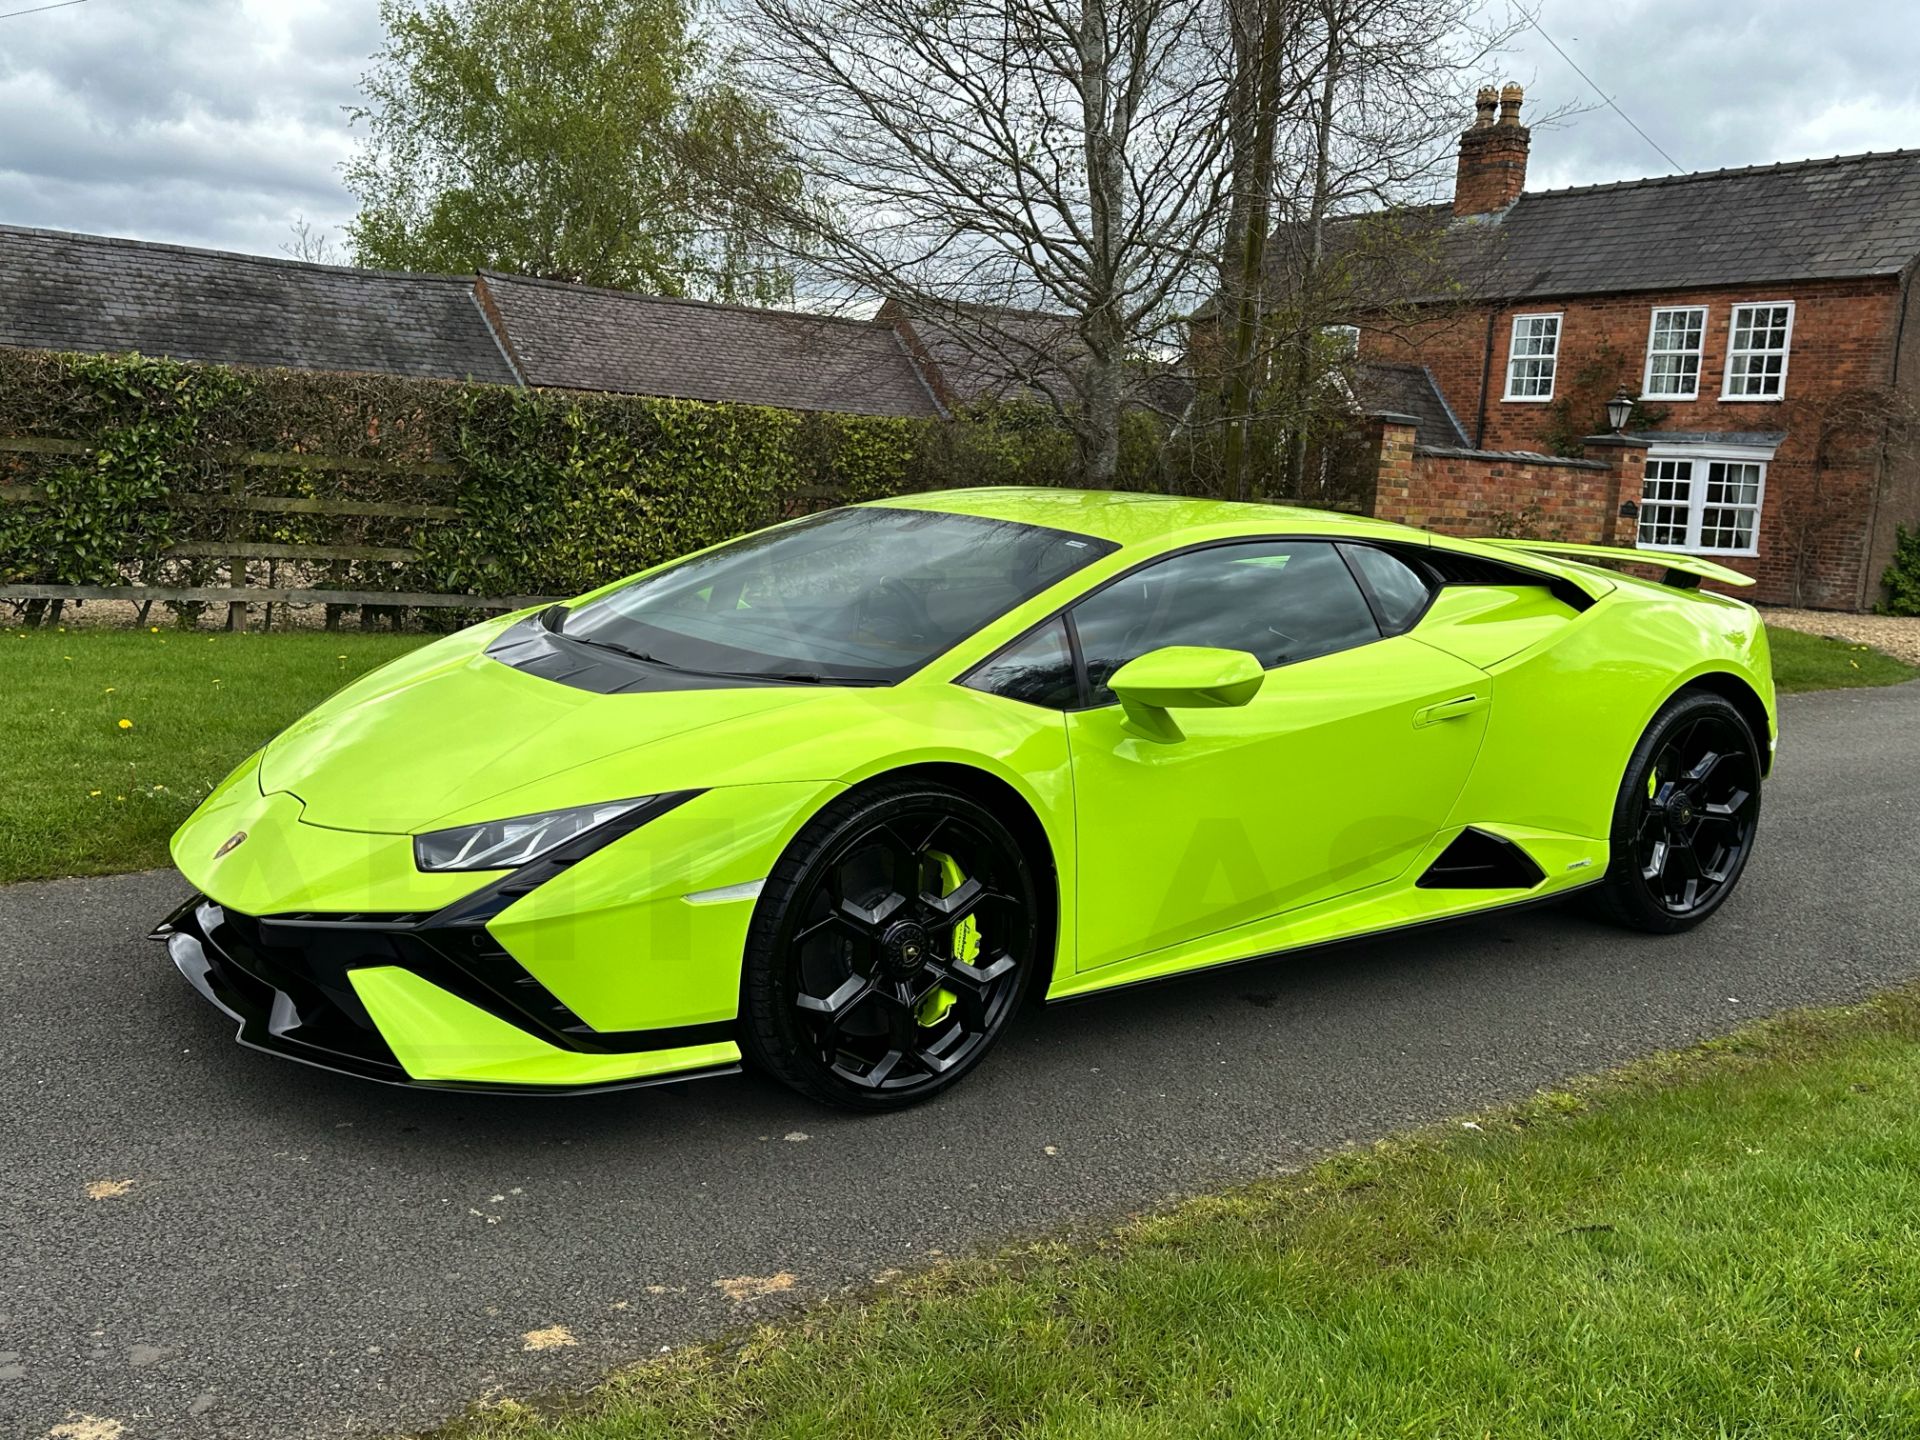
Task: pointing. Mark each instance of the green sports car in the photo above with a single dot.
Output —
(837, 797)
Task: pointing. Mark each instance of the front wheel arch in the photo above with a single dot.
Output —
(1018, 815)
(850, 944)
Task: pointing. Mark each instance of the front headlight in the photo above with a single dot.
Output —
(505, 844)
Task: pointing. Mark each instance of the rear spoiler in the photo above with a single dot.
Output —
(1684, 572)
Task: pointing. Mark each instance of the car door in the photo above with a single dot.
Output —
(1330, 780)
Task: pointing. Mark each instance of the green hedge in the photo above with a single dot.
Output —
(556, 492)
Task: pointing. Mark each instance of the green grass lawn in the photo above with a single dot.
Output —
(1723, 1242)
(112, 736)
(1813, 662)
(81, 795)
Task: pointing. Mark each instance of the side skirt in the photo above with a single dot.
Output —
(1530, 902)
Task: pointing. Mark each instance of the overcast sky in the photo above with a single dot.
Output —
(219, 122)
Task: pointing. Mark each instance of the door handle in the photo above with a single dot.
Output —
(1450, 710)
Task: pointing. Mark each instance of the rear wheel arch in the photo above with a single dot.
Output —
(1744, 698)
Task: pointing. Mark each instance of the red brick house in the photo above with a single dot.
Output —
(1759, 318)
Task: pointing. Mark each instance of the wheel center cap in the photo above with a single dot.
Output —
(1680, 811)
(905, 947)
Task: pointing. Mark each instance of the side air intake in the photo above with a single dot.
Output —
(1479, 861)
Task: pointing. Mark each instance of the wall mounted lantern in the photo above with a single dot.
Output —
(1618, 409)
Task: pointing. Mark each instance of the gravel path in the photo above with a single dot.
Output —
(1897, 635)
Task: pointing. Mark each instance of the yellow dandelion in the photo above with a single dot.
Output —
(126, 724)
(93, 792)
(119, 798)
(153, 629)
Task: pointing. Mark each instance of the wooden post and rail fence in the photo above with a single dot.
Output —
(247, 504)
(241, 499)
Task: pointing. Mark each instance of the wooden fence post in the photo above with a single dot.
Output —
(237, 565)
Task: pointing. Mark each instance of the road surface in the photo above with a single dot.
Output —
(200, 1241)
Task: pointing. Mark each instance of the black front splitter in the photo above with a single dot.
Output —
(268, 1020)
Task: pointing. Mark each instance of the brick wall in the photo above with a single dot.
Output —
(1475, 493)
(1827, 518)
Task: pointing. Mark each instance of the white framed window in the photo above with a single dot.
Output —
(1533, 350)
(1757, 342)
(1676, 339)
(1342, 340)
(1703, 503)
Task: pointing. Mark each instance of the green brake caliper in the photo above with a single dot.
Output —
(966, 942)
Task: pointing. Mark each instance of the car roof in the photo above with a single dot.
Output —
(1133, 518)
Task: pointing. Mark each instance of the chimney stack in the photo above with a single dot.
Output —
(1493, 154)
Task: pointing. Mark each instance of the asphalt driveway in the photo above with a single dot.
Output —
(200, 1241)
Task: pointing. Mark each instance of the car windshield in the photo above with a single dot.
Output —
(860, 596)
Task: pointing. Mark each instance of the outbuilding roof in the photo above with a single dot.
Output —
(1412, 391)
(91, 293)
(577, 337)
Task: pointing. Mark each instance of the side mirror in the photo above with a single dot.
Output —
(1183, 677)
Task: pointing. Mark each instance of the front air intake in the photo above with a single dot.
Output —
(1479, 861)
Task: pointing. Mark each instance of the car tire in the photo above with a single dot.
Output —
(891, 944)
(1685, 817)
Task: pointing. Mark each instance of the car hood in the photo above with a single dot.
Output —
(443, 730)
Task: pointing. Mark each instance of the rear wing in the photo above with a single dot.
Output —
(1684, 572)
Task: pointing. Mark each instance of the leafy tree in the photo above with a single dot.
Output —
(599, 141)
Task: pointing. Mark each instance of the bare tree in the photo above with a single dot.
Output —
(310, 243)
(1356, 106)
(980, 160)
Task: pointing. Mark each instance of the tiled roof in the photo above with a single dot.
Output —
(1412, 391)
(61, 291)
(1843, 218)
(1850, 217)
(976, 354)
(576, 337)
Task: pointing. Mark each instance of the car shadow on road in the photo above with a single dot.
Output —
(1082, 1061)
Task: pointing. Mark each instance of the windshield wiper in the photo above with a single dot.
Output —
(630, 653)
(556, 623)
(788, 677)
(554, 620)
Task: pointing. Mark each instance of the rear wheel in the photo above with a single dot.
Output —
(892, 943)
(1684, 821)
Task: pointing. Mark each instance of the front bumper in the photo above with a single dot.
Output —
(416, 999)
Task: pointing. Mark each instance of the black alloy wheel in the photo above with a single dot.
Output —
(890, 946)
(1686, 816)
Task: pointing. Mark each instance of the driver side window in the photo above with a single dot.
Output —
(1279, 600)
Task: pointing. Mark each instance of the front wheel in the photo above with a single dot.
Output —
(1684, 821)
(891, 944)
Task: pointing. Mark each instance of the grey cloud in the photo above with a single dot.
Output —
(207, 123)
(1720, 84)
(216, 122)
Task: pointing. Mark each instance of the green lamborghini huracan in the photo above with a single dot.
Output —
(836, 797)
